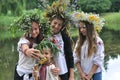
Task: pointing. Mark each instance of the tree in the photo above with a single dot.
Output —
(96, 6)
(115, 5)
(10, 6)
(16, 7)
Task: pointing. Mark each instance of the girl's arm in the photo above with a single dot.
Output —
(31, 52)
(98, 59)
(71, 74)
(82, 74)
(92, 71)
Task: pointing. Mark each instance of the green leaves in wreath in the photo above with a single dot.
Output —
(24, 22)
(47, 44)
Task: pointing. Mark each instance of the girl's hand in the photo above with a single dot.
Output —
(83, 76)
(33, 53)
(35, 72)
(38, 53)
(89, 76)
(55, 71)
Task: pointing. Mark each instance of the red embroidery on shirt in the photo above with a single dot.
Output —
(54, 40)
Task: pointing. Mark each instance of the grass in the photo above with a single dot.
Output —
(8, 58)
(73, 32)
(112, 21)
(7, 35)
(5, 22)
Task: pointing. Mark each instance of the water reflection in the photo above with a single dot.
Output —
(113, 72)
(8, 59)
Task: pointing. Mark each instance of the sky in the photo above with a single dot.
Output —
(113, 72)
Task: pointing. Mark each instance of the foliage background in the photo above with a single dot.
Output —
(11, 9)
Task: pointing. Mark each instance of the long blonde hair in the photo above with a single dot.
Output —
(90, 37)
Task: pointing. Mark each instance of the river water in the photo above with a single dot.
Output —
(113, 72)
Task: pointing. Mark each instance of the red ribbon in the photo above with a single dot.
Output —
(42, 72)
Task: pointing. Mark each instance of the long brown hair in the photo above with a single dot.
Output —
(90, 37)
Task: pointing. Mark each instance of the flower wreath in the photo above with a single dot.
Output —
(58, 8)
(24, 22)
(45, 43)
(89, 17)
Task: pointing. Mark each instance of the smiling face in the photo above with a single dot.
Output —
(56, 25)
(48, 54)
(82, 28)
(34, 30)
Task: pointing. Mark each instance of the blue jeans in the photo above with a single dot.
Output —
(97, 76)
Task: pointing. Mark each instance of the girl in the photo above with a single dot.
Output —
(27, 54)
(48, 50)
(59, 25)
(89, 48)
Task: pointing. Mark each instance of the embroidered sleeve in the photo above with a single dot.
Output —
(21, 41)
(99, 56)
